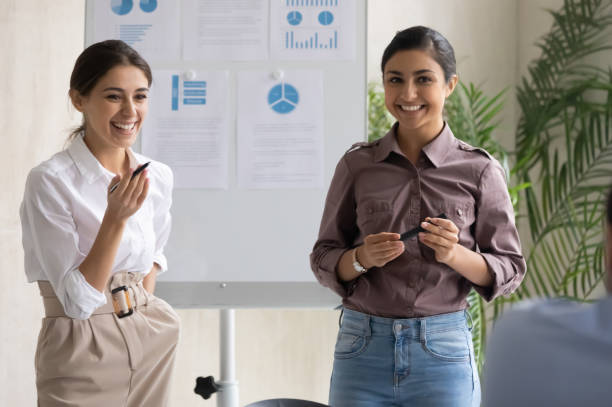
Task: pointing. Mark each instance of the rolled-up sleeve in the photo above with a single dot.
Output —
(496, 234)
(337, 231)
(162, 219)
(51, 243)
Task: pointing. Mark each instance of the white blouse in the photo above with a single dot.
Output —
(63, 205)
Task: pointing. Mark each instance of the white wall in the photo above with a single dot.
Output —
(39, 43)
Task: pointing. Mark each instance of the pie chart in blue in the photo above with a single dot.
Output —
(283, 98)
(148, 6)
(121, 7)
(326, 17)
(294, 17)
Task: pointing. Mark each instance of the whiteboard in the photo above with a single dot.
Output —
(239, 248)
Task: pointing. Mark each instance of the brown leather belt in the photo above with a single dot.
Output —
(133, 292)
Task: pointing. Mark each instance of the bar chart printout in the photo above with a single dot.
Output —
(149, 26)
(313, 29)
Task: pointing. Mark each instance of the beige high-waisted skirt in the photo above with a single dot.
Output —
(105, 360)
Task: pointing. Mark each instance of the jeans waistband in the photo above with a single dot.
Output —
(364, 324)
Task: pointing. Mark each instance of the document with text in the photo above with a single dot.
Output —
(188, 125)
(280, 130)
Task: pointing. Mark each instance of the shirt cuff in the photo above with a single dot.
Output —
(325, 271)
(161, 261)
(81, 299)
(502, 285)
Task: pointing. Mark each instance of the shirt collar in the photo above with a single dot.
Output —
(88, 164)
(436, 150)
(387, 144)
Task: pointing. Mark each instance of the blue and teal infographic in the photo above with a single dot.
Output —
(283, 98)
(325, 17)
(294, 17)
(132, 34)
(310, 24)
(191, 93)
(148, 6)
(123, 7)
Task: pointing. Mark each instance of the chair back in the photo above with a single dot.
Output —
(286, 403)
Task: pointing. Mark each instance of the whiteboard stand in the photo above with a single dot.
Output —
(227, 396)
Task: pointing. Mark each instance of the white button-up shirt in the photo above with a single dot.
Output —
(63, 205)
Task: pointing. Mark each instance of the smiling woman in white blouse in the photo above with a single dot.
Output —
(93, 236)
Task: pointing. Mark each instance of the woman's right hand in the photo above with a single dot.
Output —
(128, 197)
(379, 249)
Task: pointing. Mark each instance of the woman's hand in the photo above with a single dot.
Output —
(442, 238)
(379, 249)
(128, 197)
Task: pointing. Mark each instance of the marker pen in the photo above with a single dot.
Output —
(413, 232)
(138, 171)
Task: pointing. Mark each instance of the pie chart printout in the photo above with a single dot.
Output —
(283, 98)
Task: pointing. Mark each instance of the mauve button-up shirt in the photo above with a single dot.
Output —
(377, 189)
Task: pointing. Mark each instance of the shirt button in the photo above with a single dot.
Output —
(370, 210)
(459, 212)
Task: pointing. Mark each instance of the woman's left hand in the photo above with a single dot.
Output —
(442, 238)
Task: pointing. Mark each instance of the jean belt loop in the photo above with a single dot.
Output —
(423, 329)
(469, 320)
(368, 326)
(340, 317)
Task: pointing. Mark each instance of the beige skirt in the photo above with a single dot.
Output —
(106, 360)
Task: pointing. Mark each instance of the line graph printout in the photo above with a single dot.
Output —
(280, 130)
(312, 29)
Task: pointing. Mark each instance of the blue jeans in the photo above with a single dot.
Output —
(404, 362)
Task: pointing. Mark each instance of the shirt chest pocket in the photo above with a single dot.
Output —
(374, 216)
(461, 213)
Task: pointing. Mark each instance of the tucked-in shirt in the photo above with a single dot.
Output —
(63, 205)
(375, 188)
(550, 353)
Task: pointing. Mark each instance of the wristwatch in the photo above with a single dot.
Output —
(356, 265)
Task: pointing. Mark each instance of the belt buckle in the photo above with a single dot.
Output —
(121, 303)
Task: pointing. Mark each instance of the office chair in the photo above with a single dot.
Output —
(286, 403)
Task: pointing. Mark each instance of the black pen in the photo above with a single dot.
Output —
(413, 232)
(138, 171)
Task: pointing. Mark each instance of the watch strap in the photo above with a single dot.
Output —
(356, 264)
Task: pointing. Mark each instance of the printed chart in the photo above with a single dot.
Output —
(313, 29)
(147, 25)
(283, 98)
(191, 93)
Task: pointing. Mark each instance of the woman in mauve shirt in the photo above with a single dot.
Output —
(404, 337)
